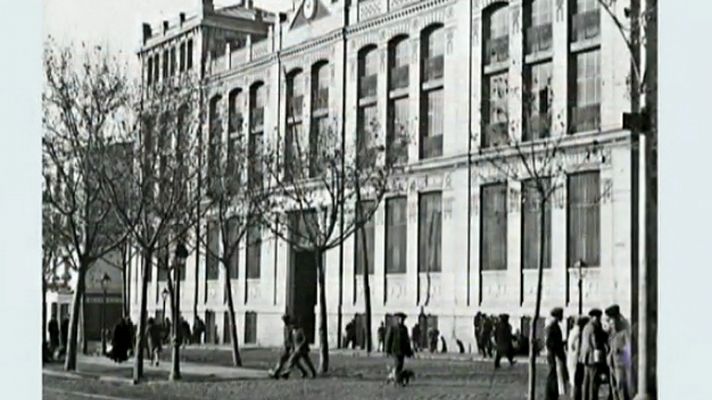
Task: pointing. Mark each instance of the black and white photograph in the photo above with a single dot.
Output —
(349, 199)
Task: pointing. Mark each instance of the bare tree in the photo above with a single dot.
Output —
(153, 190)
(316, 180)
(84, 94)
(232, 205)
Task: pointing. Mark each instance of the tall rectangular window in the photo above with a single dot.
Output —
(250, 327)
(496, 36)
(254, 251)
(530, 225)
(493, 231)
(366, 120)
(156, 67)
(398, 114)
(295, 143)
(396, 235)
(181, 57)
(361, 252)
(585, 20)
(258, 98)
(538, 17)
(584, 218)
(189, 51)
(211, 258)
(165, 63)
(320, 115)
(431, 106)
(495, 110)
(215, 142)
(537, 98)
(586, 110)
(367, 125)
(429, 232)
(173, 61)
(149, 71)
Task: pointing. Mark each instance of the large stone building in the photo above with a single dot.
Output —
(456, 75)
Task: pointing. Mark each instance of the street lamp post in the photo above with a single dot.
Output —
(579, 264)
(181, 255)
(104, 283)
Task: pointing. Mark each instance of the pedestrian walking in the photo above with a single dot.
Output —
(287, 349)
(433, 335)
(381, 334)
(120, 341)
(185, 335)
(477, 323)
(573, 365)
(198, 330)
(488, 323)
(350, 334)
(300, 353)
(415, 337)
(154, 336)
(398, 346)
(503, 340)
(593, 349)
(555, 356)
(619, 354)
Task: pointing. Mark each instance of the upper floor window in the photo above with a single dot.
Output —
(254, 251)
(173, 61)
(433, 53)
(189, 51)
(538, 20)
(367, 72)
(496, 36)
(181, 57)
(258, 98)
(156, 67)
(495, 116)
(493, 230)
(320, 126)
(295, 143)
(165, 63)
(431, 98)
(398, 62)
(585, 20)
(430, 232)
(214, 141)
(149, 70)
(585, 112)
(531, 232)
(396, 234)
(365, 254)
(233, 140)
(211, 258)
(536, 100)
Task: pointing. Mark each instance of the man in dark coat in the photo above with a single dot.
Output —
(486, 338)
(591, 354)
(381, 333)
(198, 329)
(154, 336)
(64, 333)
(398, 345)
(503, 337)
(350, 334)
(415, 337)
(556, 355)
(53, 330)
(287, 348)
(184, 331)
(433, 335)
(619, 355)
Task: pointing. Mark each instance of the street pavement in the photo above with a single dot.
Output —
(208, 374)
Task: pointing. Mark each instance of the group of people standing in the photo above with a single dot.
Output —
(597, 351)
(494, 338)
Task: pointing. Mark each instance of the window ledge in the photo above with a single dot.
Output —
(538, 56)
(496, 67)
(586, 44)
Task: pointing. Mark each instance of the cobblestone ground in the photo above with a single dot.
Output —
(350, 378)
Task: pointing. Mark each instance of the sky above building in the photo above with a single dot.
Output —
(116, 24)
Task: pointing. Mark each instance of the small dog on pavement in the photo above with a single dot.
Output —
(405, 378)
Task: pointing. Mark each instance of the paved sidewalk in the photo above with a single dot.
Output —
(105, 369)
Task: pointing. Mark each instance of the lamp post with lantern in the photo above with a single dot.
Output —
(180, 257)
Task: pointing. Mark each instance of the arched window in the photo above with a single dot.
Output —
(294, 141)
(366, 119)
(233, 140)
(214, 140)
(320, 127)
(431, 98)
(258, 98)
(495, 85)
(398, 101)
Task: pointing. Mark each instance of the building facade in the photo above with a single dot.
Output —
(456, 235)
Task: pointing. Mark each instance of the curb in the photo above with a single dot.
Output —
(83, 375)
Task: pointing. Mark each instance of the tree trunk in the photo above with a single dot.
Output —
(70, 362)
(537, 307)
(366, 291)
(141, 328)
(175, 308)
(323, 337)
(236, 359)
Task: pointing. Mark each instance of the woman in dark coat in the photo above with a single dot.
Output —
(398, 345)
(503, 338)
(154, 335)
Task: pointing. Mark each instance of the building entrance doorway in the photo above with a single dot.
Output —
(301, 293)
